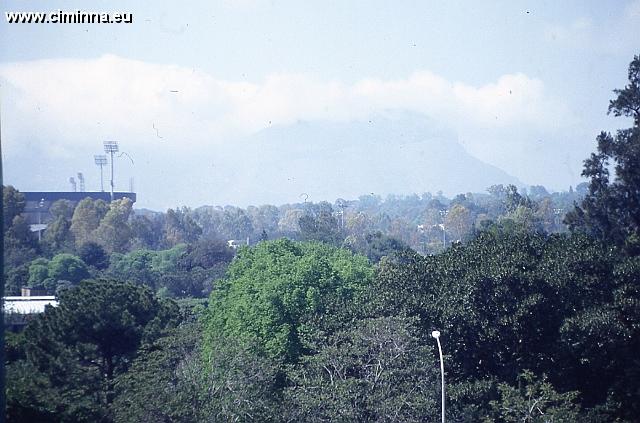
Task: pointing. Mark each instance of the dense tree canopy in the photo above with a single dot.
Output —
(280, 294)
(73, 352)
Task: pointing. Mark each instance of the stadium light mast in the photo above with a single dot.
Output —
(100, 160)
(111, 147)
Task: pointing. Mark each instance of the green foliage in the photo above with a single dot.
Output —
(86, 219)
(138, 398)
(62, 209)
(67, 267)
(279, 294)
(375, 246)
(74, 351)
(62, 267)
(136, 267)
(377, 370)
(534, 401)
(12, 204)
(38, 271)
(319, 224)
(509, 301)
(177, 271)
(114, 233)
(611, 208)
(16, 278)
(58, 236)
(206, 254)
(20, 244)
(179, 227)
(93, 255)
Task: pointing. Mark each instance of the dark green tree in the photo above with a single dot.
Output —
(74, 351)
(94, 255)
(378, 370)
(534, 401)
(611, 209)
(12, 204)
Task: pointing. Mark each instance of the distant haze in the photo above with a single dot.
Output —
(399, 153)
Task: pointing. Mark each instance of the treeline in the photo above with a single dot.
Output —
(536, 326)
(181, 252)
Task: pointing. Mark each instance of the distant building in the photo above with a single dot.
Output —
(19, 310)
(235, 243)
(37, 205)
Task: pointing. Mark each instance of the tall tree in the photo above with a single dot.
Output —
(114, 233)
(86, 219)
(611, 209)
(12, 204)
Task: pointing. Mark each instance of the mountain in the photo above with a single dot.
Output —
(399, 153)
(390, 153)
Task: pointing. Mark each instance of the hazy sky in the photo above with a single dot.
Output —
(523, 85)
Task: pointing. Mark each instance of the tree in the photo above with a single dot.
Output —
(279, 294)
(320, 225)
(12, 204)
(113, 232)
(534, 401)
(74, 351)
(289, 222)
(62, 208)
(179, 227)
(611, 209)
(376, 246)
(376, 371)
(16, 278)
(565, 306)
(38, 271)
(86, 219)
(94, 255)
(459, 222)
(58, 236)
(67, 267)
(136, 267)
(20, 244)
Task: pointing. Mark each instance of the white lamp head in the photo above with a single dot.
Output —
(435, 334)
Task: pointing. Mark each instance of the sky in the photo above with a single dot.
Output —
(523, 85)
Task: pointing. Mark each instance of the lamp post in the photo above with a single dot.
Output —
(40, 206)
(436, 334)
(444, 214)
(111, 147)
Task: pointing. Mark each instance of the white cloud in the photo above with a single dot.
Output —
(112, 96)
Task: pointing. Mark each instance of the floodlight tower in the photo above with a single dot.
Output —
(81, 181)
(111, 147)
(100, 160)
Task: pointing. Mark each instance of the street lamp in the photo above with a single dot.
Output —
(111, 147)
(40, 206)
(444, 214)
(436, 334)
